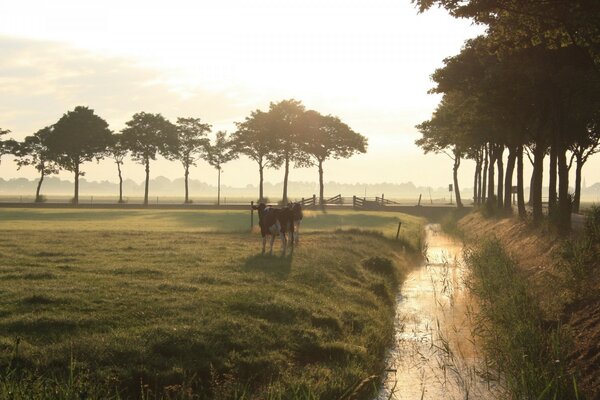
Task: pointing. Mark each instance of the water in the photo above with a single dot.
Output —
(434, 355)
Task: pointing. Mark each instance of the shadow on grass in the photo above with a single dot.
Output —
(279, 266)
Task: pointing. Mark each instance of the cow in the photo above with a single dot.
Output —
(275, 221)
(297, 215)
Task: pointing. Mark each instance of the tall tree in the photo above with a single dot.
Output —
(146, 136)
(117, 151)
(325, 137)
(5, 146)
(447, 133)
(255, 139)
(284, 120)
(521, 24)
(218, 153)
(191, 146)
(34, 151)
(78, 136)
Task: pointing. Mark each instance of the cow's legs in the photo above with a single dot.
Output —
(264, 244)
(297, 232)
(272, 240)
(283, 242)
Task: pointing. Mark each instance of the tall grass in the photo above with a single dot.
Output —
(529, 353)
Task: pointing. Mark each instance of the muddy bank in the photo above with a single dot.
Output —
(537, 254)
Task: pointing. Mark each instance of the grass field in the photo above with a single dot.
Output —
(180, 304)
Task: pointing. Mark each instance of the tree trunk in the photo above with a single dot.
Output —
(186, 176)
(219, 187)
(147, 181)
(479, 178)
(261, 196)
(500, 161)
(531, 185)
(577, 197)
(552, 182)
(285, 181)
(76, 195)
(120, 183)
(476, 179)
(455, 177)
(564, 199)
(485, 172)
(490, 195)
(321, 191)
(39, 186)
(520, 184)
(508, 179)
(536, 189)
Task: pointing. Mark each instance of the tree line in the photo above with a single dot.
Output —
(528, 88)
(286, 134)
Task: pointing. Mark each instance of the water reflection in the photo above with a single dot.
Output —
(434, 355)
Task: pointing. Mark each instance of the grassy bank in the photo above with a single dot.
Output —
(148, 309)
(530, 353)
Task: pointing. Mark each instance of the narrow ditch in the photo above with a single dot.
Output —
(434, 355)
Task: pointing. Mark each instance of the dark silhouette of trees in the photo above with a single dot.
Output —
(218, 153)
(535, 85)
(78, 136)
(255, 139)
(191, 146)
(34, 151)
(325, 137)
(117, 151)
(146, 136)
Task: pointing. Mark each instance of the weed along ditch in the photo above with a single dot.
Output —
(434, 355)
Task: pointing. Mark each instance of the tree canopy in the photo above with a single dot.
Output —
(78, 136)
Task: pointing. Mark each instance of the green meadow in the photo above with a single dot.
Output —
(180, 304)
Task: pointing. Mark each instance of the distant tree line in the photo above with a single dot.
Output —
(529, 87)
(287, 134)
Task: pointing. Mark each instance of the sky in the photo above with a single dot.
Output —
(369, 63)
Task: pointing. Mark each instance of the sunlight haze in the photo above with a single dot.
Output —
(367, 62)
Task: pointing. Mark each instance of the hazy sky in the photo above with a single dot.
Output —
(366, 62)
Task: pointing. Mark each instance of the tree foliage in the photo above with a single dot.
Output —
(146, 135)
(78, 136)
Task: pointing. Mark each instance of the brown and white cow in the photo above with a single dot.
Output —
(275, 221)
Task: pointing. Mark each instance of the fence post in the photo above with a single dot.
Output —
(251, 215)
(382, 198)
(398, 232)
(354, 201)
(419, 204)
(314, 200)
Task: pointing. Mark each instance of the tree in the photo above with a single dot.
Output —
(191, 146)
(284, 121)
(585, 146)
(255, 139)
(325, 137)
(5, 145)
(219, 153)
(34, 151)
(146, 136)
(77, 137)
(515, 25)
(117, 151)
(444, 133)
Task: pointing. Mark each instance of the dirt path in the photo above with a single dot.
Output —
(434, 355)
